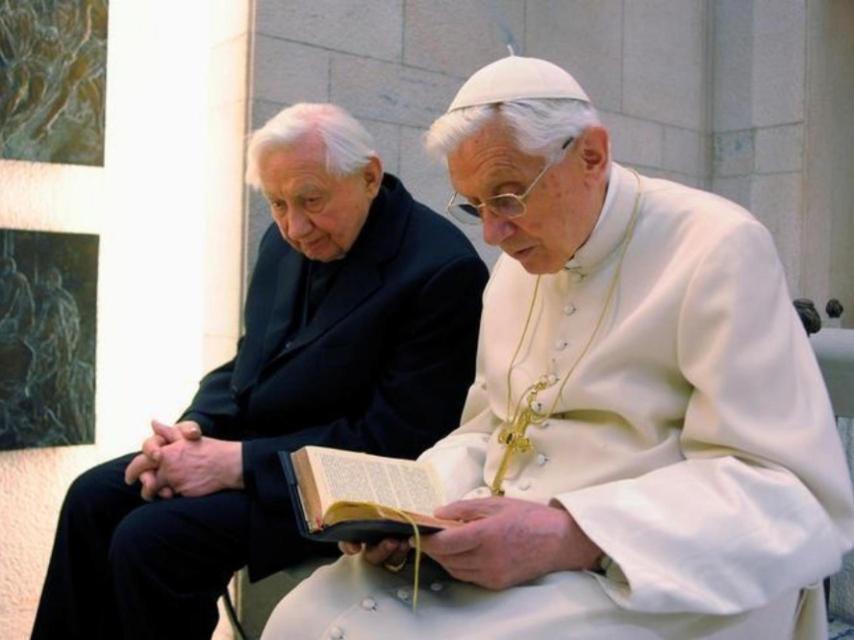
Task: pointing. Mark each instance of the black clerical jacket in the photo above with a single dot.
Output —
(383, 365)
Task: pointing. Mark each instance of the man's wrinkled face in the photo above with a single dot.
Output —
(562, 209)
(318, 213)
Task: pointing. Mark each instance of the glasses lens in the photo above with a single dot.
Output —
(465, 213)
(506, 206)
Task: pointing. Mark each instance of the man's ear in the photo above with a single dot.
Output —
(372, 173)
(595, 151)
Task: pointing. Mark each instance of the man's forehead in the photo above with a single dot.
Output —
(494, 131)
(493, 171)
(294, 165)
(490, 156)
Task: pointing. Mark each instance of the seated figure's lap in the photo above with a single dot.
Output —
(215, 524)
(366, 602)
(104, 484)
(99, 500)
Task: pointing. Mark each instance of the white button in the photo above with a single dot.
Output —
(436, 586)
(537, 406)
(336, 633)
(552, 379)
(569, 309)
(560, 345)
(524, 485)
(403, 594)
(369, 604)
(542, 459)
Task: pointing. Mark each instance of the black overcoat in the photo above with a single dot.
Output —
(383, 366)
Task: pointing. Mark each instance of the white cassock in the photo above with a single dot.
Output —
(694, 443)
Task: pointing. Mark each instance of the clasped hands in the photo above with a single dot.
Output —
(502, 543)
(179, 460)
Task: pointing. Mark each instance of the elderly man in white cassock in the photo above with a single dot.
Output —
(648, 449)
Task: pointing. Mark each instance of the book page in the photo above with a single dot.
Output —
(402, 484)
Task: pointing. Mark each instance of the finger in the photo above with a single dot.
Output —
(190, 430)
(450, 542)
(136, 466)
(462, 563)
(379, 553)
(149, 485)
(476, 577)
(397, 556)
(154, 484)
(168, 432)
(466, 572)
(151, 447)
(467, 510)
(464, 575)
(350, 548)
(396, 559)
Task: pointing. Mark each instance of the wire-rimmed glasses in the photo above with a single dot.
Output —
(504, 205)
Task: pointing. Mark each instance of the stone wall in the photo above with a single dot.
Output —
(758, 116)
(782, 82)
(396, 65)
(729, 95)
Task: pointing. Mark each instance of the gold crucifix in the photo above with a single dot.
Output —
(512, 434)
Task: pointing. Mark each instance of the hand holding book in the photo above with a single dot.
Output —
(392, 553)
(502, 542)
(493, 542)
(342, 495)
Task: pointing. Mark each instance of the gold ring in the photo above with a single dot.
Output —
(395, 568)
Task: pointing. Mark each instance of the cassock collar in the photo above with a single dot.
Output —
(379, 239)
(612, 224)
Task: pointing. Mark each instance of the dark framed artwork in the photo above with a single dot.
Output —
(48, 332)
(53, 78)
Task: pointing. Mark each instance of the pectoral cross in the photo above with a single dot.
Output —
(512, 434)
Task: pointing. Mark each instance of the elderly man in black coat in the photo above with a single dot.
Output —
(360, 333)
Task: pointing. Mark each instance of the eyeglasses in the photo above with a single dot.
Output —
(504, 205)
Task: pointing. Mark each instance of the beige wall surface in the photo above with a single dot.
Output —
(166, 309)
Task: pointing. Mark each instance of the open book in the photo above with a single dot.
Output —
(342, 495)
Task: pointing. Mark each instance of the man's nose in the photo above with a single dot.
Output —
(299, 225)
(495, 228)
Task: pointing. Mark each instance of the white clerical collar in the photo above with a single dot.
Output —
(610, 196)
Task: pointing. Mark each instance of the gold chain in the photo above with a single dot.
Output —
(512, 434)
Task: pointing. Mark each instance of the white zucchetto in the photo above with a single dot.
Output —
(517, 78)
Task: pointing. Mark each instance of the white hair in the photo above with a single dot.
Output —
(540, 126)
(348, 145)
